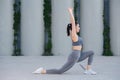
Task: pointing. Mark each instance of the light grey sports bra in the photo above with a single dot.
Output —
(79, 42)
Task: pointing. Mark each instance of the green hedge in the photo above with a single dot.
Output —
(106, 33)
(106, 39)
(16, 28)
(47, 25)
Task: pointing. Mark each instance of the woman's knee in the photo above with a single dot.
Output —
(60, 72)
(91, 52)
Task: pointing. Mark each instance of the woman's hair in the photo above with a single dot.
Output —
(69, 27)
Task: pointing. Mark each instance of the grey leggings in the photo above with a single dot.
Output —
(74, 57)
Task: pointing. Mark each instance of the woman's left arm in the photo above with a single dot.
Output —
(72, 20)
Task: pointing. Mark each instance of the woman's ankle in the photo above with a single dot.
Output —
(43, 71)
(88, 67)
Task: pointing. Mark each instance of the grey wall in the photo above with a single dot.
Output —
(60, 19)
(6, 27)
(92, 25)
(115, 26)
(32, 29)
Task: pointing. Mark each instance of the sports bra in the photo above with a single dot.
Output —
(79, 42)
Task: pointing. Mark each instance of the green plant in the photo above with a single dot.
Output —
(75, 9)
(47, 25)
(16, 28)
(106, 34)
(76, 3)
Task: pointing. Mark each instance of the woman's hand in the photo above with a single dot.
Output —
(70, 10)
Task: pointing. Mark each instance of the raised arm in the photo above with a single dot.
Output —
(72, 20)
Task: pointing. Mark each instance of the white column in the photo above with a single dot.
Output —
(92, 25)
(60, 19)
(32, 29)
(115, 26)
(6, 27)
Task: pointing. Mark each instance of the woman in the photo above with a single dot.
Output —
(76, 55)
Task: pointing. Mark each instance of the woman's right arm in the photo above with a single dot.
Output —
(72, 20)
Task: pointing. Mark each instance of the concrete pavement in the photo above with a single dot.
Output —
(21, 68)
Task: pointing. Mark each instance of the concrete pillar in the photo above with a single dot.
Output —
(115, 26)
(6, 27)
(60, 19)
(32, 29)
(92, 25)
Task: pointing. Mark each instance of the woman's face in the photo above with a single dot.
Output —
(77, 28)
